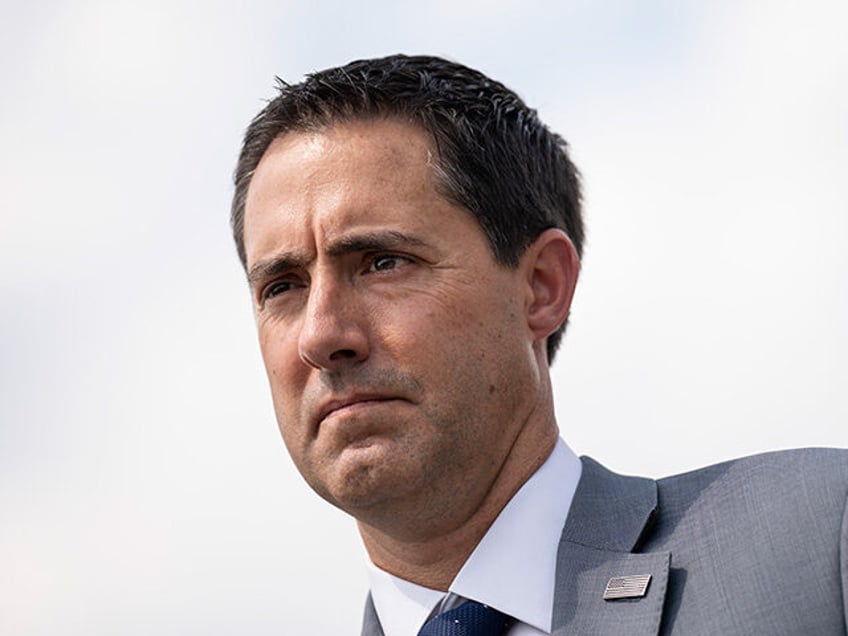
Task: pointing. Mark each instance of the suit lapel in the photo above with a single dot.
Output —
(608, 518)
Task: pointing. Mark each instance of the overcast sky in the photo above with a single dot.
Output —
(143, 485)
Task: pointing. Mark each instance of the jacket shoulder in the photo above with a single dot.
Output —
(792, 472)
(782, 492)
(762, 537)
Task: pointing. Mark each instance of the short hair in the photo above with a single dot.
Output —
(493, 155)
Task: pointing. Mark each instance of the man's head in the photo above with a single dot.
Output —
(491, 154)
(405, 342)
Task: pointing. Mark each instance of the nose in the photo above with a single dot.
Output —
(333, 334)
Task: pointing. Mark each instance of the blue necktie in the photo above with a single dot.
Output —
(469, 619)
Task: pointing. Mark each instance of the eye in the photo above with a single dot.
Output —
(386, 262)
(276, 288)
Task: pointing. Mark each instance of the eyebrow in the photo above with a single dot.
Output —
(370, 241)
(274, 266)
(364, 242)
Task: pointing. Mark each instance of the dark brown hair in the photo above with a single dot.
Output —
(493, 155)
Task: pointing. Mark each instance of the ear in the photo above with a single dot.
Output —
(551, 266)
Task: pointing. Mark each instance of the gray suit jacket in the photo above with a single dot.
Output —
(752, 546)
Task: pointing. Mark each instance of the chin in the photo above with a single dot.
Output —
(365, 475)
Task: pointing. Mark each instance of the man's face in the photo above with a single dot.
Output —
(397, 349)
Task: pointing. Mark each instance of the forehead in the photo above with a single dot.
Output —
(368, 174)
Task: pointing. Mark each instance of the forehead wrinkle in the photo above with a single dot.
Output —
(338, 188)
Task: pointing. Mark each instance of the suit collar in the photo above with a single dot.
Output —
(610, 511)
(609, 517)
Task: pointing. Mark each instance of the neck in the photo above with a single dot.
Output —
(432, 556)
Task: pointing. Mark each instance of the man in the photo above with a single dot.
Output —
(411, 233)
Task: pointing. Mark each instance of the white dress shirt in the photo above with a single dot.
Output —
(512, 569)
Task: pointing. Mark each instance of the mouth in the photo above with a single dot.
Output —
(350, 405)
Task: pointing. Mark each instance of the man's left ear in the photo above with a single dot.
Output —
(551, 265)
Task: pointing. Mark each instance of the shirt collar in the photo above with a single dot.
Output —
(401, 606)
(512, 569)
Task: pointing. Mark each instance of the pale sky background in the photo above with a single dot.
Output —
(143, 485)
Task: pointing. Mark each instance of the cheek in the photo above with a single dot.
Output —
(284, 370)
(278, 345)
(422, 334)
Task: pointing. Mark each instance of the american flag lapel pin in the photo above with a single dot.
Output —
(634, 586)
